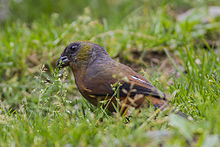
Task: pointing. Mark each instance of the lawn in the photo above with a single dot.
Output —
(181, 57)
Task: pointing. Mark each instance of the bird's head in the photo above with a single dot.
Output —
(80, 53)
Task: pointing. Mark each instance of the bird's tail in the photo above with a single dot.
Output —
(163, 105)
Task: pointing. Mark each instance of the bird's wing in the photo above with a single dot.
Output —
(103, 81)
(100, 82)
(137, 84)
(142, 88)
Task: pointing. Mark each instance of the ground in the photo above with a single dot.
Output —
(180, 57)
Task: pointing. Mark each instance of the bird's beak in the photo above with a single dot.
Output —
(62, 62)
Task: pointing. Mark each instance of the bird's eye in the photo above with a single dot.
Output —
(74, 47)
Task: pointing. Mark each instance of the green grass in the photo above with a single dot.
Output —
(39, 109)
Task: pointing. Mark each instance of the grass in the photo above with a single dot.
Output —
(39, 109)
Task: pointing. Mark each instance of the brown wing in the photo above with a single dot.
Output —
(99, 81)
(141, 86)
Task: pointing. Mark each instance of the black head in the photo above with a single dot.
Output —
(82, 53)
(69, 54)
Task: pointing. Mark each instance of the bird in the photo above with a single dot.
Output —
(99, 79)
